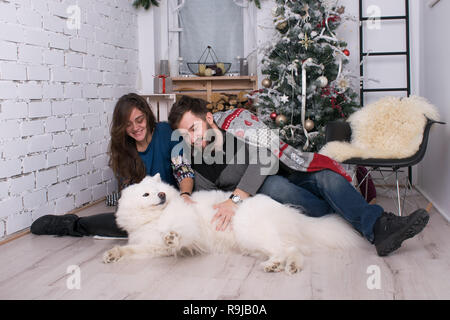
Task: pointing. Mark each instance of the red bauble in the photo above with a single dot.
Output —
(346, 52)
(273, 115)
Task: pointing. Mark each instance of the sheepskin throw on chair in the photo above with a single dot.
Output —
(391, 128)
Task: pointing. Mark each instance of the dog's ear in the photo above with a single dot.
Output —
(147, 178)
(157, 177)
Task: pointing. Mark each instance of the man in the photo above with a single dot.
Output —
(316, 193)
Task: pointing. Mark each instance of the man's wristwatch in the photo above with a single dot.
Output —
(235, 198)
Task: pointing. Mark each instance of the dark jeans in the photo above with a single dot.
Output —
(103, 224)
(324, 192)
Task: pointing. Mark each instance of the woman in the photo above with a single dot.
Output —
(139, 146)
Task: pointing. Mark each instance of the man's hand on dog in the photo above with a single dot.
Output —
(224, 214)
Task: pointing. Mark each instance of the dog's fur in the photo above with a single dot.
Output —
(260, 227)
(391, 128)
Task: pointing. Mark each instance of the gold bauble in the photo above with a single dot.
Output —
(281, 120)
(281, 26)
(309, 124)
(341, 10)
(266, 83)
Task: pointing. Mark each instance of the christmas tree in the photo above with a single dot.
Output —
(306, 84)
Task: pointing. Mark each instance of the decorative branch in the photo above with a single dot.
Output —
(145, 3)
(148, 3)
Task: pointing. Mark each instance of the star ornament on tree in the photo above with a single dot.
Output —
(306, 42)
(284, 98)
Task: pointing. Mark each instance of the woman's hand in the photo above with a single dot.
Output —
(224, 215)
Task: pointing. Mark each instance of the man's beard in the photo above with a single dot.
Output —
(216, 139)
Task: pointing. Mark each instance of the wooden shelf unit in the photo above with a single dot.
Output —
(203, 87)
(160, 104)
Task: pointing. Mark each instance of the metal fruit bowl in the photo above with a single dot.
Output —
(215, 68)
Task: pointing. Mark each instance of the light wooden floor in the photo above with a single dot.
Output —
(35, 267)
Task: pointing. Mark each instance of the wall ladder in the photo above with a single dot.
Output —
(406, 53)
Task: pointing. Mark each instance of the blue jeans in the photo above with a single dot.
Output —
(324, 192)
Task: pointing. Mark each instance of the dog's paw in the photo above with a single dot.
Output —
(273, 266)
(172, 239)
(112, 255)
(294, 264)
(293, 267)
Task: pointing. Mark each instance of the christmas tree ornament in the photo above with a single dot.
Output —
(282, 26)
(343, 84)
(309, 125)
(322, 81)
(284, 98)
(339, 58)
(334, 19)
(266, 83)
(346, 52)
(273, 115)
(341, 10)
(308, 62)
(281, 120)
(305, 17)
(306, 42)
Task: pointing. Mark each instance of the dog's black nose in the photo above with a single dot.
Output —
(162, 196)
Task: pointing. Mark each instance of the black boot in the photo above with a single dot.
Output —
(62, 225)
(391, 230)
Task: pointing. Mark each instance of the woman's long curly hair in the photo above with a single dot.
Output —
(124, 159)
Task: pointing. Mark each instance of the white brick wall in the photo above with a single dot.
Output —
(58, 87)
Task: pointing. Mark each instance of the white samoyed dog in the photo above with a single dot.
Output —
(160, 223)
